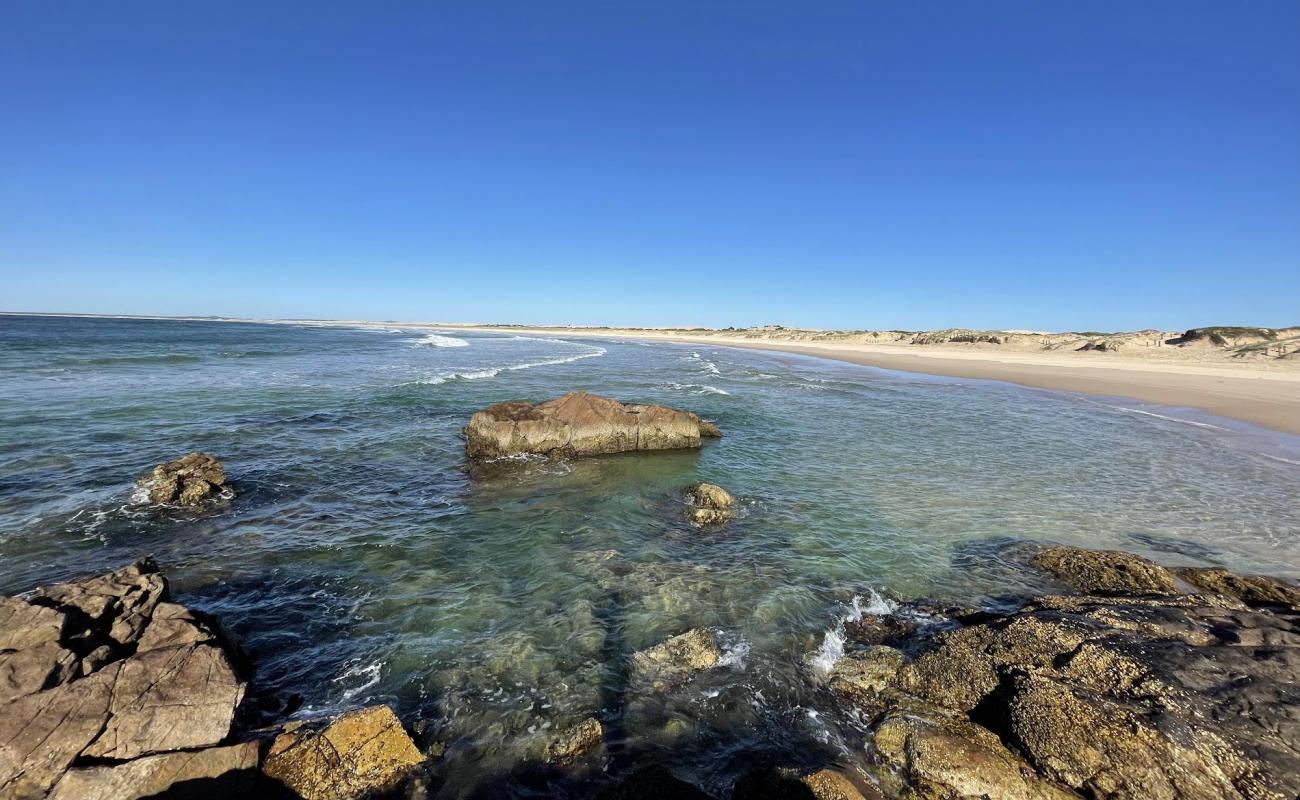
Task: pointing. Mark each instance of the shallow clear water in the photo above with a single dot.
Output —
(364, 561)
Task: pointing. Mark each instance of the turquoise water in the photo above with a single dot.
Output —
(364, 561)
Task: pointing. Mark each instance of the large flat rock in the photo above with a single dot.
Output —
(107, 669)
(580, 424)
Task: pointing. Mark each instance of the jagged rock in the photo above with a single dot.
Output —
(170, 698)
(710, 504)
(567, 745)
(187, 481)
(673, 662)
(865, 675)
(580, 424)
(939, 756)
(105, 668)
(1163, 697)
(214, 773)
(1255, 590)
(360, 753)
(1105, 571)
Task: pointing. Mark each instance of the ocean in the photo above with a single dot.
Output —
(364, 561)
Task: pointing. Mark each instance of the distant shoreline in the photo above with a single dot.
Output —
(1263, 393)
(1260, 394)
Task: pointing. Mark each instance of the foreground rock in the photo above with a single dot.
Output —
(1149, 694)
(673, 662)
(1105, 571)
(581, 424)
(360, 753)
(710, 504)
(107, 669)
(214, 772)
(187, 481)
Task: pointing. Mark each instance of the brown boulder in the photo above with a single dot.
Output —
(568, 745)
(187, 481)
(710, 504)
(1105, 571)
(105, 668)
(580, 424)
(673, 662)
(360, 753)
(940, 756)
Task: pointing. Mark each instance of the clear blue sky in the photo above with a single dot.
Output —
(1086, 165)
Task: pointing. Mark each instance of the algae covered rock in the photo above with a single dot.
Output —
(187, 481)
(1255, 590)
(360, 753)
(673, 662)
(1105, 571)
(710, 504)
(569, 744)
(580, 424)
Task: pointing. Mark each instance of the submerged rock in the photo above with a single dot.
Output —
(360, 753)
(105, 668)
(652, 783)
(580, 424)
(673, 662)
(791, 784)
(710, 504)
(187, 481)
(1105, 571)
(567, 745)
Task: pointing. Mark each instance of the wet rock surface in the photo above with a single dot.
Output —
(188, 481)
(1105, 571)
(1146, 695)
(675, 661)
(581, 424)
(358, 754)
(710, 504)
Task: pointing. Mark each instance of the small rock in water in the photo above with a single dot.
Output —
(567, 745)
(865, 675)
(711, 504)
(187, 481)
(673, 662)
(356, 755)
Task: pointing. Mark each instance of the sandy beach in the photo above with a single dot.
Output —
(1263, 393)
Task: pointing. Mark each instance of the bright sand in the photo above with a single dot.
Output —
(1262, 393)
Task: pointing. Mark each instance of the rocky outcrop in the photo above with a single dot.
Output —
(1253, 590)
(1150, 694)
(358, 754)
(106, 668)
(710, 504)
(566, 746)
(673, 662)
(581, 424)
(1105, 571)
(212, 773)
(187, 481)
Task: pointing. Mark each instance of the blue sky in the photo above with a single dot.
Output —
(1047, 165)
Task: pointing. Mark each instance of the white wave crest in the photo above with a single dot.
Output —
(697, 388)
(832, 646)
(1172, 419)
(492, 372)
(438, 340)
